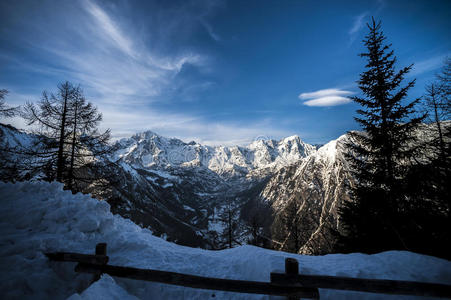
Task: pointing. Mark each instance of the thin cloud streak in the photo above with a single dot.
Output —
(429, 64)
(210, 31)
(358, 23)
(119, 73)
(109, 27)
(126, 122)
(188, 128)
(123, 78)
(108, 64)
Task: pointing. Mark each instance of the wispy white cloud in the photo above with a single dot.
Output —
(188, 127)
(429, 64)
(128, 77)
(109, 28)
(140, 73)
(122, 70)
(125, 78)
(326, 97)
(126, 120)
(358, 23)
(210, 31)
(91, 48)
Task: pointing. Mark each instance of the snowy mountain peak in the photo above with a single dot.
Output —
(295, 138)
(329, 151)
(145, 135)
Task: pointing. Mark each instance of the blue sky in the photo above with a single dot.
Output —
(218, 72)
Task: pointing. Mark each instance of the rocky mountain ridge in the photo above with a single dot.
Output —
(148, 150)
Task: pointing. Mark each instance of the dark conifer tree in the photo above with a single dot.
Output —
(291, 222)
(85, 143)
(68, 140)
(231, 232)
(429, 178)
(438, 106)
(51, 120)
(444, 82)
(373, 219)
(434, 105)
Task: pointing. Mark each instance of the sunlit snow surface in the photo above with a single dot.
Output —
(41, 217)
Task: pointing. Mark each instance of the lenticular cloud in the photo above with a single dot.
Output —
(326, 97)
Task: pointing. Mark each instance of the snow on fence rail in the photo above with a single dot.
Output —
(290, 284)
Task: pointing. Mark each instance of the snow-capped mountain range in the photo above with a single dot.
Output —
(149, 150)
(179, 190)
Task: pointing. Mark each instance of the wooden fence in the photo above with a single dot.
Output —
(290, 284)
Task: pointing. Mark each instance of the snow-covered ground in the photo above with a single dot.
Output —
(41, 217)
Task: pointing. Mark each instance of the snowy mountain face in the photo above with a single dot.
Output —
(148, 150)
(319, 184)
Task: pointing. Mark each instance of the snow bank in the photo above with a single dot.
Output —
(104, 289)
(40, 217)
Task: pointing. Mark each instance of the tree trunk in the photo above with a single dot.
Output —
(60, 161)
(230, 227)
(72, 157)
(440, 135)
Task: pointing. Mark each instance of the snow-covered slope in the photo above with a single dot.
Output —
(319, 184)
(41, 217)
(150, 150)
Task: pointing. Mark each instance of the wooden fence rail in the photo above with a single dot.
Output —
(290, 284)
(382, 286)
(192, 281)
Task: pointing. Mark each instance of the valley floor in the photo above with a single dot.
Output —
(41, 217)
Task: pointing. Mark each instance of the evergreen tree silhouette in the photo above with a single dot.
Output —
(378, 155)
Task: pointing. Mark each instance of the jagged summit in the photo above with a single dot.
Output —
(150, 150)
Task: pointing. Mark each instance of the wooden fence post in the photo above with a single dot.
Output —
(292, 269)
(100, 250)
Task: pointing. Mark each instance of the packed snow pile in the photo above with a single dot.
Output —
(40, 217)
